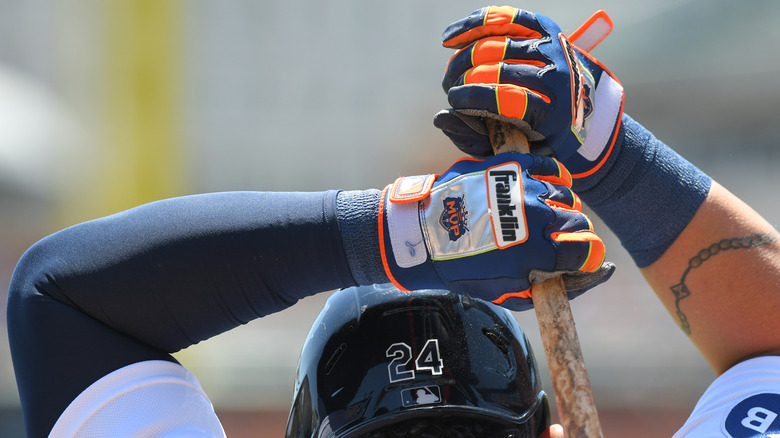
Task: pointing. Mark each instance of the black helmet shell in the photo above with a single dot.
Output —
(377, 355)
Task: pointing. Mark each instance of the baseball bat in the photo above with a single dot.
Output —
(571, 386)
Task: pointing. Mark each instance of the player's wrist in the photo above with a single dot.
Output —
(643, 185)
(591, 181)
(358, 212)
(405, 256)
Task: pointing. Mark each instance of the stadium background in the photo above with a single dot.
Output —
(108, 104)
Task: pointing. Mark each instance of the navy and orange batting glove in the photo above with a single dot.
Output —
(518, 67)
(489, 229)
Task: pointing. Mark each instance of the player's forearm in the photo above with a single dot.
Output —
(648, 195)
(135, 286)
(693, 239)
(181, 270)
(720, 280)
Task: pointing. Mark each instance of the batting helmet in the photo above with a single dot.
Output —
(377, 356)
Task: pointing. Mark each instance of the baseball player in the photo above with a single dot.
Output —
(711, 259)
(95, 310)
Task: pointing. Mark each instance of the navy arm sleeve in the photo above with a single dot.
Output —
(152, 280)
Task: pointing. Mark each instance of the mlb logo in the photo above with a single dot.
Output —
(423, 395)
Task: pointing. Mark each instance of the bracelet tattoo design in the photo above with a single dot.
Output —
(681, 291)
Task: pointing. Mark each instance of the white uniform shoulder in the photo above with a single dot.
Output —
(743, 402)
(151, 398)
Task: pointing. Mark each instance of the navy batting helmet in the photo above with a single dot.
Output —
(377, 356)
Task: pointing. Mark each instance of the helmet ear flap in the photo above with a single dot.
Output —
(302, 420)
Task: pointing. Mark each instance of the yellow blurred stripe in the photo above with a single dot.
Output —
(141, 102)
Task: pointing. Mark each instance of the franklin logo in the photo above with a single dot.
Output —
(505, 191)
(454, 218)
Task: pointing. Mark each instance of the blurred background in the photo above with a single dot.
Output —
(108, 104)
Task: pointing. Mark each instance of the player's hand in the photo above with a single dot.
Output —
(518, 67)
(489, 229)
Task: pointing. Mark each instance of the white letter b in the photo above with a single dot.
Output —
(759, 419)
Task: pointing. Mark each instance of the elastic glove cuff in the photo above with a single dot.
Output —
(626, 197)
(357, 212)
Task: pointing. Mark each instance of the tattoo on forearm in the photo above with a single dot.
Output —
(681, 291)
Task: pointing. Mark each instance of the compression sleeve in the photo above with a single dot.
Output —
(147, 282)
(643, 184)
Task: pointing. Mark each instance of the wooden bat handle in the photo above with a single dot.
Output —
(576, 406)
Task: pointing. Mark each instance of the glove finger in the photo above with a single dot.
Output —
(576, 282)
(577, 246)
(466, 165)
(483, 93)
(559, 194)
(550, 170)
(521, 75)
(509, 101)
(492, 50)
(492, 21)
(563, 198)
(517, 301)
(579, 251)
(465, 132)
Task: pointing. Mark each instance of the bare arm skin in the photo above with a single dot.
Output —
(720, 281)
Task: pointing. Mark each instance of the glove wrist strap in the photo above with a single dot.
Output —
(402, 246)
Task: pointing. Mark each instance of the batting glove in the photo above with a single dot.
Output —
(489, 229)
(518, 67)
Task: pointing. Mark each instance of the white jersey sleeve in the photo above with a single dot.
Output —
(743, 402)
(151, 398)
